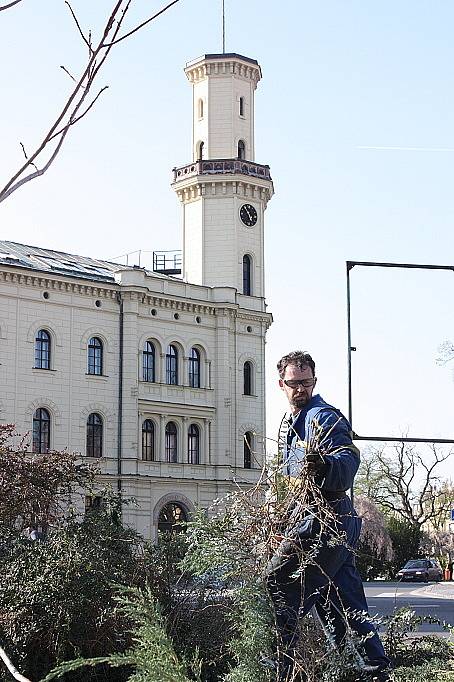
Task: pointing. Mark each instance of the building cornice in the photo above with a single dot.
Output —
(191, 189)
(172, 303)
(134, 293)
(223, 65)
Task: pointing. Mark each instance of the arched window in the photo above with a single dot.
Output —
(200, 107)
(200, 147)
(247, 450)
(149, 362)
(171, 442)
(95, 356)
(172, 518)
(94, 435)
(194, 444)
(42, 349)
(247, 275)
(148, 440)
(194, 368)
(41, 431)
(247, 378)
(241, 106)
(172, 365)
(241, 149)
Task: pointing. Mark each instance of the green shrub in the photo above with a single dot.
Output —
(56, 596)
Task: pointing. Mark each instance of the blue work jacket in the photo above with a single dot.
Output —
(341, 456)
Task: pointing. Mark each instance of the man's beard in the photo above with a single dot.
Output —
(300, 401)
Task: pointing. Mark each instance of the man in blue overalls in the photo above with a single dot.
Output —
(332, 581)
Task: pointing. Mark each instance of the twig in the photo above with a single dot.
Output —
(15, 673)
(78, 118)
(10, 4)
(144, 23)
(67, 72)
(82, 35)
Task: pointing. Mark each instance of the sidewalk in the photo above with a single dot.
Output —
(443, 590)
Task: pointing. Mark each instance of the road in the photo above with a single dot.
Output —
(434, 599)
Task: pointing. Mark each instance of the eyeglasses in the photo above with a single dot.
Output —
(294, 383)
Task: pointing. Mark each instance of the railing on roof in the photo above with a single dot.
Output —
(222, 167)
(167, 262)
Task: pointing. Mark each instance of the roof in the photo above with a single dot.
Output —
(59, 263)
(223, 55)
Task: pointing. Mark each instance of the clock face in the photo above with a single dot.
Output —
(248, 215)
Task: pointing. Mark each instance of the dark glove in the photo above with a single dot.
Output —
(316, 465)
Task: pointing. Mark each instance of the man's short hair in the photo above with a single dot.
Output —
(299, 358)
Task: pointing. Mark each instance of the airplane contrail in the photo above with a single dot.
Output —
(408, 149)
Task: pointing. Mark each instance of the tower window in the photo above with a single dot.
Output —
(247, 450)
(241, 106)
(148, 440)
(200, 147)
(94, 435)
(172, 365)
(247, 378)
(95, 353)
(194, 368)
(247, 275)
(194, 444)
(171, 442)
(241, 149)
(41, 431)
(200, 108)
(149, 356)
(42, 349)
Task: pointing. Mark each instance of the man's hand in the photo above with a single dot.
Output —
(316, 465)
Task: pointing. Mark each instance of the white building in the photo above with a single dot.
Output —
(159, 379)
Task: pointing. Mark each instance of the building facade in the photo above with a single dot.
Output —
(158, 378)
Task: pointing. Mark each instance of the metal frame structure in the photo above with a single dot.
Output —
(350, 265)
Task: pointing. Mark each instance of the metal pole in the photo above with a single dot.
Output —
(349, 347)
(223, 26)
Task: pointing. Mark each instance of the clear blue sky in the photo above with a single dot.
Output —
(337, 76)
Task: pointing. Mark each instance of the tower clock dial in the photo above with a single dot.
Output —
(248, 215)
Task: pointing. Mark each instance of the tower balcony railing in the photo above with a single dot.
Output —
(222, 167)
(167, 262)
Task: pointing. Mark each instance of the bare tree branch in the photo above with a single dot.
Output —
(404, 482)
(82, 35)
(70, 115)
(10, 4)
(144, 23)
(67, 72)
(77, 119)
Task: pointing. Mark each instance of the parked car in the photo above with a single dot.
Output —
(420, 569)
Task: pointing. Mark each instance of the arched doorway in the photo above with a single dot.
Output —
(172, 518)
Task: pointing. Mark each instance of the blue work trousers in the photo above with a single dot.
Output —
(333, 586)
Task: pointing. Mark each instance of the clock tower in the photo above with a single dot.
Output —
(224, 192)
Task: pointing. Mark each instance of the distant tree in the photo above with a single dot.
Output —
(403, 480)
(80, 100)
(406, 542)
(375, 546)
(445, 352)
(439, 543)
